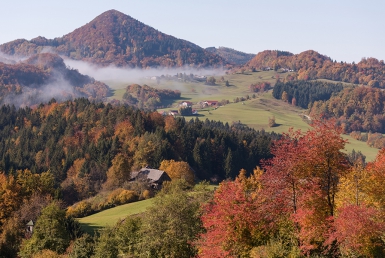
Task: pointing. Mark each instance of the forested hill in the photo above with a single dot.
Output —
(43, 77)
(312, 65)
(302, 93)
(231, 55)
(357, 109)
(116, 38)
(77, 141)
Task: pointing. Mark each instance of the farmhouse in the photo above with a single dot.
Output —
(186, 104)
(173, 112)
(211, 103)
(153, 176)
(200, 78)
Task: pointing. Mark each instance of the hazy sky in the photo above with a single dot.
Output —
(341, 29)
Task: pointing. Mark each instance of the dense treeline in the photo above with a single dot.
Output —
(357, 109)
(302, 93)
(116, 38)
(309, 200)
(78, 141)
(146, 97)
(45, 76)
(311, 65)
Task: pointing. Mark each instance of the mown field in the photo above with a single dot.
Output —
(254, 112)
(109, 217)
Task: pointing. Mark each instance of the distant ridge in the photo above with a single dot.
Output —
(313, 65)
(231, 55)
(116, 38)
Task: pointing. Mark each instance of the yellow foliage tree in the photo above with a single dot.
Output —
(353, 187)
(35, 183)
(10, 197)
(119, 172)
(178, 170)
(124, 130)
(374, 187)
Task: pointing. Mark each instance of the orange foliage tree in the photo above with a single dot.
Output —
(178, 170)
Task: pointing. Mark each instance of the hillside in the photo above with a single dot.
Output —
(116, 38)
(231, 55)
(312, 65)
(357, 109)
(43, 77)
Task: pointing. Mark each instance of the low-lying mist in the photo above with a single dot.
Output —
(7, 59)
(58, 88)
(119, 75)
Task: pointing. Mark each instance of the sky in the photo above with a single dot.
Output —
(344, 30)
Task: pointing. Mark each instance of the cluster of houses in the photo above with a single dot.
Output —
(180, 77)
(185, 104)
(284, 70)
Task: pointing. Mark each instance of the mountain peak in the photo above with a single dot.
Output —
(116, 38)
(113, 12)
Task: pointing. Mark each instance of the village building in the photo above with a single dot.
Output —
(211, 103)
(200, 78)
(30, 226)
(173, 112)
(186, 104)
(163, 113)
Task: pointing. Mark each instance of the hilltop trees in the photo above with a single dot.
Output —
(310, 65)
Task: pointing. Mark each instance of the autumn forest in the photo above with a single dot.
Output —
(73, 147)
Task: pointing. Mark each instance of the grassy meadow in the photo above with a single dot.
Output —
(254, 112)
(109, 217)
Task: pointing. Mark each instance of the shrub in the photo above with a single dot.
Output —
(272, 122)
(80, 209)
(122, 196)
(114, 196)
(146, 194)
(127, 196)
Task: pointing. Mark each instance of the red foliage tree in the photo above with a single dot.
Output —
(358, 231)
(301, 181)
(231, 220)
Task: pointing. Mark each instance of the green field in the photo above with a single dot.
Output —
(111, 216)
(254, 112)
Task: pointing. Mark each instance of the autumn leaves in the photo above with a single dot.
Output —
(310, 199)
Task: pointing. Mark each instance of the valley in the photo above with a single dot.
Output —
(119, 140)
(254, 113)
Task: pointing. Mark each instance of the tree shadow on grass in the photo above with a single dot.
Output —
(90, 228)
